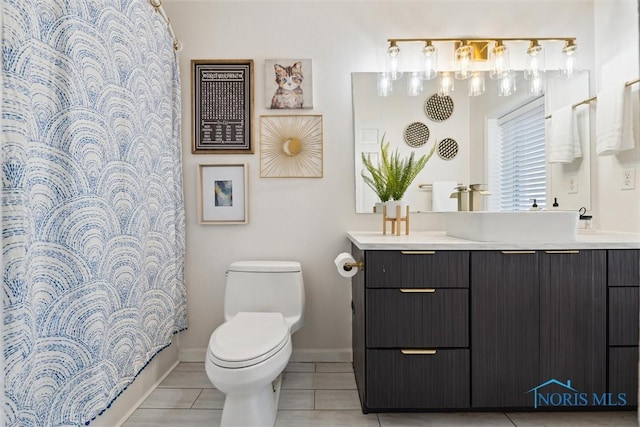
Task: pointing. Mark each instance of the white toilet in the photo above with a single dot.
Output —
(263, 306)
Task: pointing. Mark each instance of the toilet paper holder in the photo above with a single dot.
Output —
(348, 266)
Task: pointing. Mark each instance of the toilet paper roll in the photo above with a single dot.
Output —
(341, 260)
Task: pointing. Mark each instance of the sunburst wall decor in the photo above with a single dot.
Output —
(291, 146)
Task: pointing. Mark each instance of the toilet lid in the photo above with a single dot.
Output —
(248, 339)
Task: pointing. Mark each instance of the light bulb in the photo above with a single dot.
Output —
(507, 84)
(463, 62)
(446, 84)
(385, 85)
(535, 61)
(569, 50)
(414, 85)
(499, 57)
(392, 61)
(536, 85)
(476, 84)
(430, 62)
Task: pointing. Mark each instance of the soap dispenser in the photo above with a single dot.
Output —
(534, 207)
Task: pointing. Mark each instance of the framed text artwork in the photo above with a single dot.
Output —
(222, 191)
(222, 106)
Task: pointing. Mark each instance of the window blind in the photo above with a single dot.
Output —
(522, 165)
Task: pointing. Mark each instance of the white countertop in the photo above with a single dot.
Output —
(438, 240)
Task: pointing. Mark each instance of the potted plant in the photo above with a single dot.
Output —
(393, 175)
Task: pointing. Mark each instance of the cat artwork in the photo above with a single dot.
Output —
(289, 92)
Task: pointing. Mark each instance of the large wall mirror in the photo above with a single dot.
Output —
(465, 129)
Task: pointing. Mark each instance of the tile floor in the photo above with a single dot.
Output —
(324, 394)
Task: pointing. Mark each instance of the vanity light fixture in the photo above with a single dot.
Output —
(569, 51)
(392, 61)
(463, 61)
(430, 53)
(471, 57)
(535, 60)
(499, 58)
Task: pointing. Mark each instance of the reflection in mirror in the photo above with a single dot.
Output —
(469, 133)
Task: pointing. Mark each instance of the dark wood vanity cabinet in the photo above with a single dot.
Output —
(412, 309)
(481, 329)
(623, 280)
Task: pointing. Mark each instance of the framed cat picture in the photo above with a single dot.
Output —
(288, 84)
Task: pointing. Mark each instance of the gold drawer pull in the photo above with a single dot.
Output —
(517, 252)
(417, 290)
(562, 252)
(411, 351)
(418, 252)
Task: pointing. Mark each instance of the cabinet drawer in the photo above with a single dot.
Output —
(427, 318)
(623, 267)
(623, 316)
(417, 381)
(420, 269)
(623, 373)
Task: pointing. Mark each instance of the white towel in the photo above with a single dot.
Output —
(564, 140)
(440, 200)
(614, 125)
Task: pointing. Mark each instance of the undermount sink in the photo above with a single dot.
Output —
(529, 226)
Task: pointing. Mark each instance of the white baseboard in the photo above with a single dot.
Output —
(192, 354)
(322, 355)
(299, 355)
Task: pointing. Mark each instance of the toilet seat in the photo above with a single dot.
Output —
(248, 339)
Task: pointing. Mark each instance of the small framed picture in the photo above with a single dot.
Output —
(223, 194)
(288, 83)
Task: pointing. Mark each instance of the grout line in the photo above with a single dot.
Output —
(196, 399)
(509, 418)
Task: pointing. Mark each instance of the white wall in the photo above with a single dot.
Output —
(617, 61)
(306, 219)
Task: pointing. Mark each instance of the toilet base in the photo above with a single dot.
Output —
(257, 409)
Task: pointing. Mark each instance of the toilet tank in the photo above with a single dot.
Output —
(266, 286)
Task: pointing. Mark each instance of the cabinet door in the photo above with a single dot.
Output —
(417, 269)
(505, 316)
(573, 318)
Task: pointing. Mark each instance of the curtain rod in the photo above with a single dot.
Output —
(157, 5)
(595, 98)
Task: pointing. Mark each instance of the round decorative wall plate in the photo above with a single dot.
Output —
(447, 148)
(438, 108)
(416, 134)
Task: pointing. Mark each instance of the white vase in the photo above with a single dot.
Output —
(392, 206)
(378, 207)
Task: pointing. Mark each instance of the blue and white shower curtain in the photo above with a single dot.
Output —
(92, 204)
